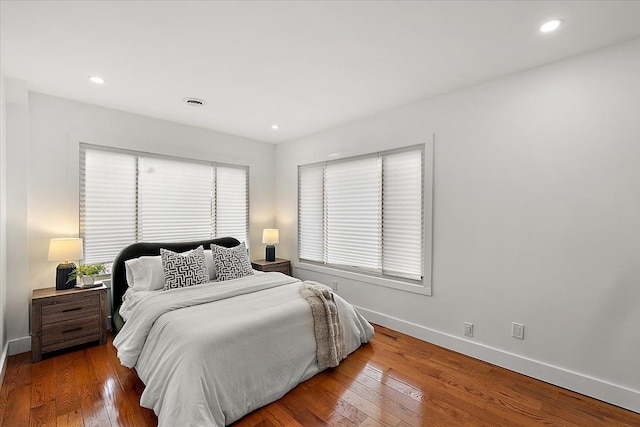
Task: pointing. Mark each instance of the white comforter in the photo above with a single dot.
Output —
(212, 353)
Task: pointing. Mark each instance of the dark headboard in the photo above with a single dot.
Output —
(119, 276)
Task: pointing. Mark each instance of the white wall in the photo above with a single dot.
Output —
(536, 220)
(49, 163)
(17, 174)
(3, 227)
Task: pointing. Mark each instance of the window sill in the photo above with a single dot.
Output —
(424, 289)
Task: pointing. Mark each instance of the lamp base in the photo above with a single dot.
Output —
(62, 276)
(270, 253)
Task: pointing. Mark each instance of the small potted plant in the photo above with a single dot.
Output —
(86, 273)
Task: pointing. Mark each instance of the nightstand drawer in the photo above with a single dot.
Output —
(71, 329)
(72, 309)
(280, 265)
(280, 268)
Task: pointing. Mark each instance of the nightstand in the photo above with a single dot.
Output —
(64, 318)
(279, 265)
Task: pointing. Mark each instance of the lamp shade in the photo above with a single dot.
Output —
(65, 249)
(270, 236)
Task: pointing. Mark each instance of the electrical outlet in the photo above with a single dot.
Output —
(517, 330)
(468, 329)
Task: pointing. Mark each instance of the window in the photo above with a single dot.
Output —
(128, 197)
(365, 214)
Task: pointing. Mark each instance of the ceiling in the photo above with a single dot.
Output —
(306, 65)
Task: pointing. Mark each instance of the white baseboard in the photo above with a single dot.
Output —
(3, 362)
(19, 345)
(580, 383)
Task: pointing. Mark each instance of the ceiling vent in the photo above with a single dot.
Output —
(195, 102)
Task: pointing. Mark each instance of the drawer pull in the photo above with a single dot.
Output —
(72, 330)
(72, 309)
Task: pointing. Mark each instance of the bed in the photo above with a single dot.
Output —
(209, 354)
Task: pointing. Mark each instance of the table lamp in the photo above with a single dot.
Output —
(270, 236)
(65, 249)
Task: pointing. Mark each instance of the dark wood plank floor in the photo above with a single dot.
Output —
(395, 380)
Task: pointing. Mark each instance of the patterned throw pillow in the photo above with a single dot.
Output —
(231, 263)
(181, 270)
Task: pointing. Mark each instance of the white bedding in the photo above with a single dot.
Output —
(130, 299)
(210, 354)
(133, 296)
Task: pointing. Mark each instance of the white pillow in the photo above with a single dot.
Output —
(145, 273)
(208, 259)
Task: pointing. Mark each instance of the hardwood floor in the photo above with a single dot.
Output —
(394, 380)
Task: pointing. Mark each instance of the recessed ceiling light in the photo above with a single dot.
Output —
(97, 80)
(275, 126)
(550, 26)
(195, 102)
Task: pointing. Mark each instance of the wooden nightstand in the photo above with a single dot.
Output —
(279, 265)
(62, 319)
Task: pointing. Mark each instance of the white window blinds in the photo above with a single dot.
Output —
(364, 214)
(175, 200)
(232, 213)
(127, 197)
(402, 228)
(108, 219)
(353, 203)
(311, 213)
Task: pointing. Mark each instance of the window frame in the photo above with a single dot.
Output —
(83, 146)
(422, 286)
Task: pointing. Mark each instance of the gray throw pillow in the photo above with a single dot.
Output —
(231, 263)
(184, 270)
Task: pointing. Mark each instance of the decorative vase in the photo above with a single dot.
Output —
(87, 280)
